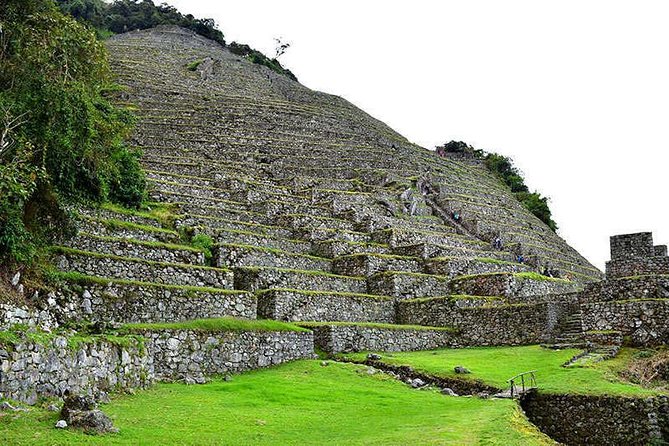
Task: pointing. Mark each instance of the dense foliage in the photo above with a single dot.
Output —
(121, 16)
(126, 15)
(61, 137)
(503, 167)
(259, 58)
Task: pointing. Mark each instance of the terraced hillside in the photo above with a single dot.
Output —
(319, 213)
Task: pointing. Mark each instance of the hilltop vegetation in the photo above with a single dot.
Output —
(503, 167)
(62, 139)
(122, 16)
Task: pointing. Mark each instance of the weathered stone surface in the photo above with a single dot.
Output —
(179, 355)
(598, 420)
(293, 305)
(356, 338)
(52, 369)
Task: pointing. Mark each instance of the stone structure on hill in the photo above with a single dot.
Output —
(305, 199)
(636, 255)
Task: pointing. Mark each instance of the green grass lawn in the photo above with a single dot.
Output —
(495, 365)
(298, 403)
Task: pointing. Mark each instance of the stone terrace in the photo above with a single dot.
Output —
(320, 215)
(319, 212)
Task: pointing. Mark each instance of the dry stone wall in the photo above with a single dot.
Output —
(487, 325)
(121, 302)
(32, 369)
(292, 305)
(193, 355)
(644, 321)
(356, 338)
(599, 420)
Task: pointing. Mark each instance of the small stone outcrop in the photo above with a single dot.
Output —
(81, 412)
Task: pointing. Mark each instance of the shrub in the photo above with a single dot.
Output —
(502, 167)
(127, 185)
(205, 243)
(69, 142)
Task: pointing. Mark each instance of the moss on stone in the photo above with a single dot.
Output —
(325, 293)
(374, 325)
(83, 280)
(70, 251)
(215, 325)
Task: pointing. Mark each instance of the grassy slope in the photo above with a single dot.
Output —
(297, 403)
(495, 365)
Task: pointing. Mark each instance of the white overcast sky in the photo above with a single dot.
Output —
(576, 92)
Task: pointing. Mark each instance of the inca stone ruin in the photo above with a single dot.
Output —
(321, 216)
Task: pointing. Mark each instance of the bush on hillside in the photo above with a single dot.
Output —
(120, 16)
(503, 167)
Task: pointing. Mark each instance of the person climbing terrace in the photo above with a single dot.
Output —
(520, 258)
(456, 216)
(497, 244)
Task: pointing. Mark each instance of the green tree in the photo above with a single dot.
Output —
(70, 137)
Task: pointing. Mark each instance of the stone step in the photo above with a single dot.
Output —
(124, 301)
(426, 224)
(302, 221)
(368, 264)
(277, 208)
(126, 247)
(406, 285)
(300, 305)
(346, 337)
(516, 287)
(101, 265)
(235, 255)
(320, 234)
(255, 279)
(401, 237)
(211, 225)
(256, 239)
(123, 229)
(429, 250)
(189, 212)
(157, 187)
(452, 267)
(338, 248)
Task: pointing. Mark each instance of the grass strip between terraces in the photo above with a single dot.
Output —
(113, 223)
(273, 251)
(77, 252)
(83, 280)
(167, 246)
(376, 325)
(324, 293)
(526, 275)
(453, 298)
(298, 271)
(215, 325)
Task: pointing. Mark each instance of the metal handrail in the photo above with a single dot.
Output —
(525, 383)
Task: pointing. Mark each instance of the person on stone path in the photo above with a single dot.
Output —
(456, 216)
(520, 258)
(498, 243)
